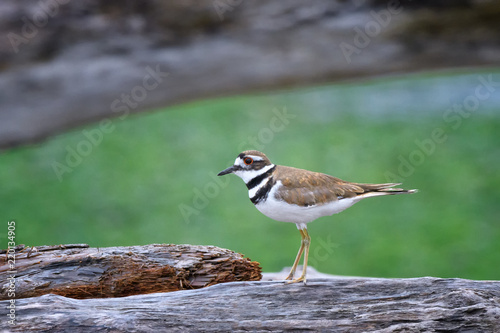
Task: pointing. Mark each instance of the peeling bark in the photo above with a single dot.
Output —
(78, 271)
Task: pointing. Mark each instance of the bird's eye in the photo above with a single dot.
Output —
(248, 160)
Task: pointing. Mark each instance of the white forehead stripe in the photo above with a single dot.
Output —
(256, 158)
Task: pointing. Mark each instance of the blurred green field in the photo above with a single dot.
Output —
(152, 178)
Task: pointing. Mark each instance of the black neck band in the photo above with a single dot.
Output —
(257, 180)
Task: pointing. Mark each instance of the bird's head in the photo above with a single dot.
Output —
(248, 165)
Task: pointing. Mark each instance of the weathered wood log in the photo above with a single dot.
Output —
(106, 59)
(324, 305)
(79, 271)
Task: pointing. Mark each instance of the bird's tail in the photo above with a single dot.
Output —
(384, 189)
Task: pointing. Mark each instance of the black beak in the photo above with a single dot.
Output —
(231, 169)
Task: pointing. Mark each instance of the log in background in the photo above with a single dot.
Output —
(90, 53)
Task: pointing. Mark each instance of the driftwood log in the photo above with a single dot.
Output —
(323, 305)
(78, 271)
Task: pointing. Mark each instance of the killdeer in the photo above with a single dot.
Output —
(299, 196)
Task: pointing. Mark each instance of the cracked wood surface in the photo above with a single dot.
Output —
(323, 305)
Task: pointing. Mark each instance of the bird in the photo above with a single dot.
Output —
(300, 196)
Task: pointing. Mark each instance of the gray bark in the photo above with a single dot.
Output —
(92, 60)
(323, 305)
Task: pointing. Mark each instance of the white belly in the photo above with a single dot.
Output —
(281, 211)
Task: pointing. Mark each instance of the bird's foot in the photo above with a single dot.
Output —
(300, 279)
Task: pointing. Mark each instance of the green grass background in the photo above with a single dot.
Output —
(130, 189)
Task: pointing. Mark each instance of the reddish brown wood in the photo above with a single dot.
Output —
(79, 271)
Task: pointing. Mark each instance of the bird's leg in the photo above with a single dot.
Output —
(297, 259)
(306, 241)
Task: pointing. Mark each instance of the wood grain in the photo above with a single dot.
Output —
(79, 271)
(323, 305)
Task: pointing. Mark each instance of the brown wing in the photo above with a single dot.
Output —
(307, 188)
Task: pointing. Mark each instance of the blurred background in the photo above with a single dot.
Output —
(115, 118)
